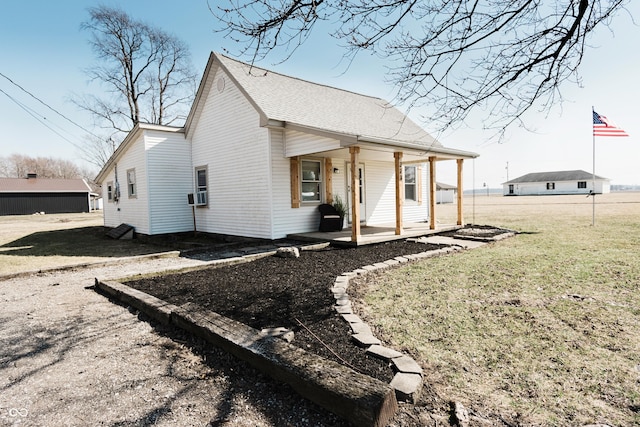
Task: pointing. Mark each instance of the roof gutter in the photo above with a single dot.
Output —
(433, 149)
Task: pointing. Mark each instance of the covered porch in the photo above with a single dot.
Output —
(373, 234)
(385, 215)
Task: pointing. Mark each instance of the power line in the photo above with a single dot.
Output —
(48, 106)
(33, 114)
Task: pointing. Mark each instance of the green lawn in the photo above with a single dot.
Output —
(543, 328)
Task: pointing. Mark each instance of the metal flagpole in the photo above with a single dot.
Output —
(593, 191)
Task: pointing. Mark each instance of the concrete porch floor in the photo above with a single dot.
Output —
(373, 234)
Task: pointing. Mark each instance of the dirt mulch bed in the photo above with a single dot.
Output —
(286, 292)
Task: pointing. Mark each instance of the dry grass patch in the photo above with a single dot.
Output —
(35, 242)
(543, 328)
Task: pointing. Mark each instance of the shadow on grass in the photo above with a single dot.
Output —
(77, 242)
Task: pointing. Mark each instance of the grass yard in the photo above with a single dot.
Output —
(543, 327)
(34, 242)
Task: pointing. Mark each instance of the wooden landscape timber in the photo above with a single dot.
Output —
(360, 399)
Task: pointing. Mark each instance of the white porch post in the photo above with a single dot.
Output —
(460, 191)
(355, 194)
(432, 193)
(399, 191)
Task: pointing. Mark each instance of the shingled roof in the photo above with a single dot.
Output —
(293, 100)
(558, 176)
(285, 101)
(43, 185)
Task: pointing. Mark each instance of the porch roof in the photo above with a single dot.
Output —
(292, 103)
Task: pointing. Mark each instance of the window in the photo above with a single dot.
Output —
(110, 191)
(201, 185)
(551, 185)
(582, 184)
(410, 187)
(131, 183)
(311, 181)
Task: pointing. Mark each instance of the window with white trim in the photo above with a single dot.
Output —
(131, 183)
(582, 184)
(551, 185)
(410, 183)
(311, 184)
(110, 191)
(202, 196)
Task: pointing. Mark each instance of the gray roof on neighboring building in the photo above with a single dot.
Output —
(443, 186)
(575, 175)
(43, 185)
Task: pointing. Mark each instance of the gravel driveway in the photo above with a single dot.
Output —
(71, 357)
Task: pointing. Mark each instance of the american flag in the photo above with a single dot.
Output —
(603, 127)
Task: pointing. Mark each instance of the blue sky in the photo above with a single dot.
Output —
(44, 50)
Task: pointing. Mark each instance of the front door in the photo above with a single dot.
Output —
(361, 193)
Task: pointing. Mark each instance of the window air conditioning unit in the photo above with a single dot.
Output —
(201, 198)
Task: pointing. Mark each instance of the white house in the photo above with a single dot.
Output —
(445, 193)
(261, 151)
(562, 182)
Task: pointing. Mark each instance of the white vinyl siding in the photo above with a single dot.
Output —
(228, 139)
(162, 163)
(287, 220)
(559, 187)
(380, 195)
(170, 180)
(301, 144)
(129, 210)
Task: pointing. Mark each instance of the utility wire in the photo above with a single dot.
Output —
(32, 114)
(48, 106)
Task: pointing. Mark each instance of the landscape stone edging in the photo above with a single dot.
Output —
(377, 410)
(495, 238)
(359, 398)
(407, 380)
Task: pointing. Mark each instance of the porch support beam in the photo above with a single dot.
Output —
(460, 191)
(399, 191)
(295, 182)
(328, 180)
(432, 193)
(355, 194)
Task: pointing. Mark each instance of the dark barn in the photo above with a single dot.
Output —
(26, 196)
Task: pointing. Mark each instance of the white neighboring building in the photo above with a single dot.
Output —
(445, 193)
(260, 151)
(561, 182)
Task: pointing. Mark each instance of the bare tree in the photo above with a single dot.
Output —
(19, 166)
(453, 56)
(97, 150)
(146, 72)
